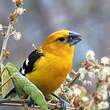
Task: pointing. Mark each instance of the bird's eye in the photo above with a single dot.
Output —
(61, 39)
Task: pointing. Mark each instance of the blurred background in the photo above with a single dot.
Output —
(91, 18)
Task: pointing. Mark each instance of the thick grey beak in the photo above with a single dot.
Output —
(74, 38)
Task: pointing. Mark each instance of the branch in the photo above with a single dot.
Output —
(6, 82)
(17, 101)
(10, 30)
(6, 38)
(21, 102)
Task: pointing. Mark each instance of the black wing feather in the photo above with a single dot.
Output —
(32, 58)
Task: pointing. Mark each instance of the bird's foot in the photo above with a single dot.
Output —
(31, 103)
(62, 102)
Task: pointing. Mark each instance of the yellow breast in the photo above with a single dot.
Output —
(50, 72)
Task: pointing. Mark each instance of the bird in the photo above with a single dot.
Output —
(48, 66)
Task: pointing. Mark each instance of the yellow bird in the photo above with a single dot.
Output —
(48, 66)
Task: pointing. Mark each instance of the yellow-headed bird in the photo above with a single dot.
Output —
(48, 66)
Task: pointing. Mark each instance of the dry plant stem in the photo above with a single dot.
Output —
(3, 70)
(5, 42)
(6, 38)
(18, 102)
(25, 106)
(67, 99)
(14, 102)
(6, 82)
(4, 46)
(11, 104)
(76, 77)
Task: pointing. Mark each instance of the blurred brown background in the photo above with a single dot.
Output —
(91, 18)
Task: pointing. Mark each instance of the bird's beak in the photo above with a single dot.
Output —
(73, 38)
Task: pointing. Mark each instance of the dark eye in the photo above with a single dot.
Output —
(61, 39)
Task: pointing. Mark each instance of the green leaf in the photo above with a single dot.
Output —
(4, 78)
(5, 89)
(24, 86)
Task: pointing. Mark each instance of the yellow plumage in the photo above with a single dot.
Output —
(50, 71)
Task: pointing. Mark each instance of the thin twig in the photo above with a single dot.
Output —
(20, 103)
(66, 97)
(11, 104)
(10, 28)
(6, 82)
(6, 38)
(4, 45)
(76, 77)
(3, 71)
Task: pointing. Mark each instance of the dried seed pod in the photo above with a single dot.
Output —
(18, 2)
(6, 54)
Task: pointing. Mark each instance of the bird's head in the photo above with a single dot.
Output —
(61, 42)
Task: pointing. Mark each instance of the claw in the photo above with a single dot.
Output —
(31, 103)
(62, 102)
(63, 105)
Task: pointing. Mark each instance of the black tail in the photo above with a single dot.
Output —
(12, 93)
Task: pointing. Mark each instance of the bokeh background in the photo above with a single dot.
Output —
(91, 18)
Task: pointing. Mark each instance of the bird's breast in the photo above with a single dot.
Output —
(50, 72)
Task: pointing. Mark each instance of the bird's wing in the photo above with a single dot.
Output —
(28, 64)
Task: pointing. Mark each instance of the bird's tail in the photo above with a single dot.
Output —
(12, 93)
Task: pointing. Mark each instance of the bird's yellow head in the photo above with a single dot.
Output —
(61, 42)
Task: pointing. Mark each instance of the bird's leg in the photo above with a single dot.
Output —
(31, 103)
(62, 102)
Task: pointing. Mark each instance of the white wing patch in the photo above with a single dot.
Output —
(23, 71)
(27, 62)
